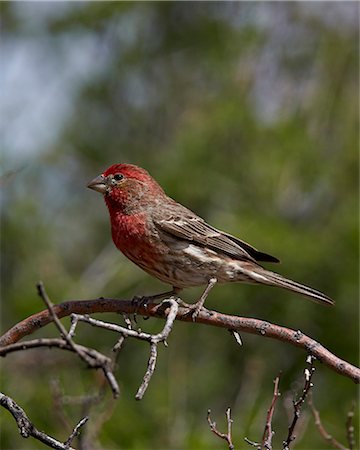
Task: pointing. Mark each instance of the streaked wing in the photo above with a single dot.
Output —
(193, 228)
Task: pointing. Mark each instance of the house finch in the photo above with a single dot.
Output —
(172, 243)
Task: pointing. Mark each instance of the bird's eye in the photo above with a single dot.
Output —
(118, 177)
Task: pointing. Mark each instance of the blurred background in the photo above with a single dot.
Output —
(245, 112)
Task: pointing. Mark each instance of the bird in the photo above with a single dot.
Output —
(175, 245)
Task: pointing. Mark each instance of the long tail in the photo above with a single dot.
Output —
(274, 279)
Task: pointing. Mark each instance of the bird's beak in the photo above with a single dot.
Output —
(98, 184)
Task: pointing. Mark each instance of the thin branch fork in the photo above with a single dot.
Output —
(93, 358)
(207, 317)
(153, 339)
(266, 442)
(96, 359)
(268, 432)
(27, 429)
(226, 436)
(308, 374)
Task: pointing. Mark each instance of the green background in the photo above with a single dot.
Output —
(247, 113)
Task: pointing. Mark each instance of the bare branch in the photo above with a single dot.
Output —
(100, 361)
(253, 443)
(239, 324)
(331, 440)
(268, 432)
(308, 373)
(27, 429)
(76, 431)
(149, 372)
(226, 436)
(63, 333)
(350, 427)
(153, 339)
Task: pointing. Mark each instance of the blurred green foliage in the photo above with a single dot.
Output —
(248, 114)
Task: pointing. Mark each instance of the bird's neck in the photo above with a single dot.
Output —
(127, 227)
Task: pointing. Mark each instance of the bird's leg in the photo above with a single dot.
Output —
(196, 308)
(145, 300)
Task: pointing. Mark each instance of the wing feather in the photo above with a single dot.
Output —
(194, 229)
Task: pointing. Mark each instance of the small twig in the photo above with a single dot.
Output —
(149, 372)
(253, 444)
(331, 440)
(95, 358)
(226, 436)
(27, 429)
(63, 332)
(153, 339)
(118, 346)
(101, 360)
(92, 359)
(350, 427)
(76, 431)
(268, 432)
(308, 373)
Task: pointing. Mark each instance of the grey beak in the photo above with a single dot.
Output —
(98, 184)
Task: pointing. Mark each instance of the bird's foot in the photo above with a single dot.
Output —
(144, 301)
(183, 304)
(141, 301)
(194, 310)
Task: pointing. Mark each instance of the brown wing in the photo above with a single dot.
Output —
(192, 228)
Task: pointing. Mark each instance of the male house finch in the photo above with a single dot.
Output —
(172, 243)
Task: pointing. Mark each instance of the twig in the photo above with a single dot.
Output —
(76, 431)
(63, 332)
(103, 361)
(92, 359)
(331, 440)
(97, 359)
(27, 429)
(308, 373)
(153, 339)
(350, 427)
(253, 443)
(226, 436)
(207, 317)
(268, 432)
(149, 372)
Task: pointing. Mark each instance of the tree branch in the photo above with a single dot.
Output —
(226, 436)
(27, 429)
(153, 339)
(207, 317)
(268, 432)
(297, 405)
(350, 427)
(331, 440)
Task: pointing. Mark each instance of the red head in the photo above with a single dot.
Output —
(126, 187)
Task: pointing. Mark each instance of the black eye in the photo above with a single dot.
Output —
(118, 176)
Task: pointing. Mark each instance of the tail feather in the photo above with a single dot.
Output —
(274, 279)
